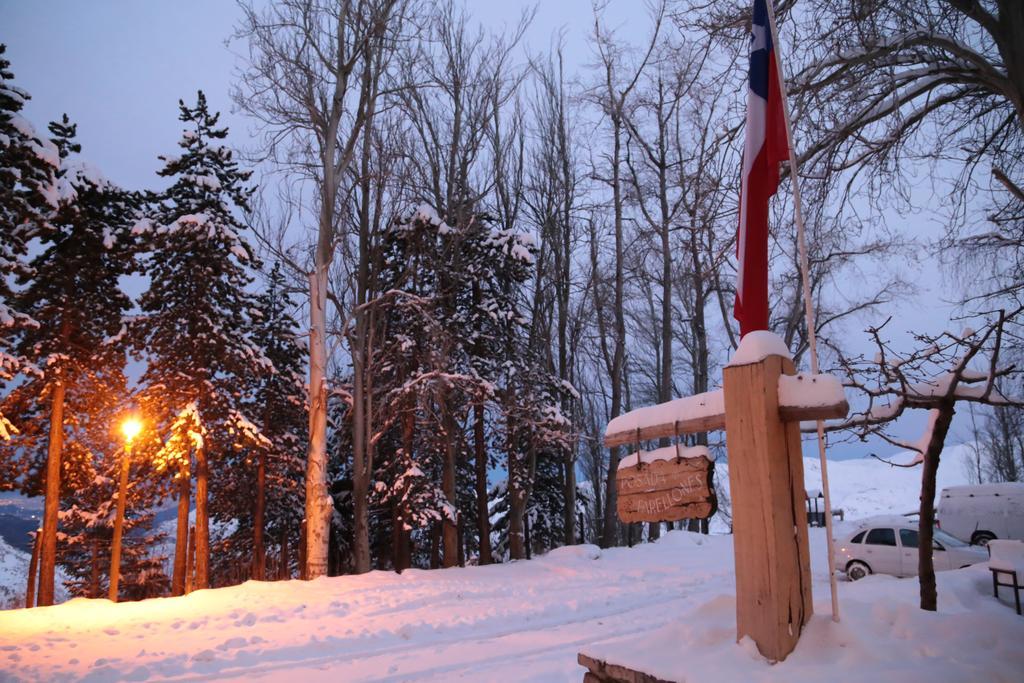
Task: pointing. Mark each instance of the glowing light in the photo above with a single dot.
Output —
(131, 428)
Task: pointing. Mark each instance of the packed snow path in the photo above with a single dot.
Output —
(523, 621)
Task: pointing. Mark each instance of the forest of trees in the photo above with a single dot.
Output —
(388, 330)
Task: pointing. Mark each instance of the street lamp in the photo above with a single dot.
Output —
(130, 428)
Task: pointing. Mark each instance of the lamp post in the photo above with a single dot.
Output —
(130, 428)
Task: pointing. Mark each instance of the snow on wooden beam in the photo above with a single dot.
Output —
(801, 397)
(689, 415)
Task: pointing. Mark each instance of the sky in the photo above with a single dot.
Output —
(119, 67)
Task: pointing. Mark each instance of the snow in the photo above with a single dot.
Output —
(668, 604)
(756, 346)
(686, 408)
(805, 390)
(1007, 555)
(666, 453)
(426, 213)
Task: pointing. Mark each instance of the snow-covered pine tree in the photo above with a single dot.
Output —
(28, 163)
(196, 330)
(72, 288)
(265, 491)
(449, 327)
(87, 527)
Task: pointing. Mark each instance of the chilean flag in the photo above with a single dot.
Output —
(766, 146)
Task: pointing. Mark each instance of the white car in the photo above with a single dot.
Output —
(888, 545)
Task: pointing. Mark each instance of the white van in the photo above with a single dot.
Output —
(982, 512)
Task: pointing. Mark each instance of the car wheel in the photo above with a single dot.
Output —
(982, 538)
(857, 570)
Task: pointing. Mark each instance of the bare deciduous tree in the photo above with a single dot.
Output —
(942, 373)
(312, 81)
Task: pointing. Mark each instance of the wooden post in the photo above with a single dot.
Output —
(773, 578)
(115, 552)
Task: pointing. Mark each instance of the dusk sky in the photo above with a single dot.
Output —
(118, 68)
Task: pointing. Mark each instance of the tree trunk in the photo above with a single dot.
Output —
(401, 552)
(450, 529)
(482, 511)
(284, 571)
(318, 500)
(94, 574)
(435, 546)
(33, 571)
(115, 548)
(181, 534)
(516, 533)
(259, 556)
(48, 552)
(202, 544)
(190, 565)
(303, 545)
(610, 528)
(925, 565)
(569, 492)
(360, 452)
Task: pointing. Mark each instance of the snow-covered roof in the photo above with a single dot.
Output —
(1001, 489)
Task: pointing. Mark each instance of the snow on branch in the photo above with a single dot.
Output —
(945, 369)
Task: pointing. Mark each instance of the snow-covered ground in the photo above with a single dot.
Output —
(523, 621)
(668, 605)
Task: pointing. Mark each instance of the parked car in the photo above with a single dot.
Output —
(983, 512)
(888, 545)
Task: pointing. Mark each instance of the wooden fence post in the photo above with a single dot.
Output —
(773, 578)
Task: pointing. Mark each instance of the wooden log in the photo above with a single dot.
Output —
(773, 579)
(599, 671)
(666, 490)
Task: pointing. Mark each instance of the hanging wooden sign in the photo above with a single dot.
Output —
(666, 485)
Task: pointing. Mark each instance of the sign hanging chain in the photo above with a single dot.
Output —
(808, 306)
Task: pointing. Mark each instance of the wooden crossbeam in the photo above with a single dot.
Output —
(692, 426)
(709, 423)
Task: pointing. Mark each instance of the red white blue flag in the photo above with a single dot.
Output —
(766, 146)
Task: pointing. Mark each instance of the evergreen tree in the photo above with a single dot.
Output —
(261, 487)
(72, 287)
(450, 333)
(196, 326)
(87, 527)
(28, 163)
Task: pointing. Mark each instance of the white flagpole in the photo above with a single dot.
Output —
(808, 304)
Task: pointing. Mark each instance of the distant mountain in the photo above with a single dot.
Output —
(14, 575)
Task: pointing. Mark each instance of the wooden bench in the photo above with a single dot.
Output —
(1006, 558)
